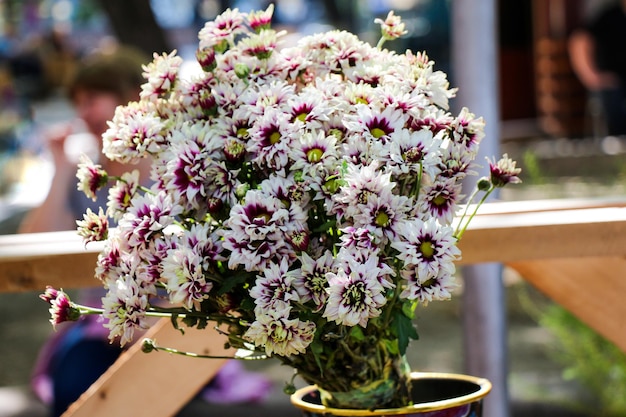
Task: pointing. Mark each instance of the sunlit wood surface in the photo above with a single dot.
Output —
(501, 232)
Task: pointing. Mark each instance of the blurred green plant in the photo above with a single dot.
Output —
(595, 363)
(532, 171)
(87, 10)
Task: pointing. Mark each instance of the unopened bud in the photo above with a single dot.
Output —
(148, 345)
(484, 184)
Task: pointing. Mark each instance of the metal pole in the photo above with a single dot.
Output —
(475, 64)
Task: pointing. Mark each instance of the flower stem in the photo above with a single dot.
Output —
(160, 312)
(149, 345)
(461, 230)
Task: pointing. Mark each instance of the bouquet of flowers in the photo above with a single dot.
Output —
(303, 200)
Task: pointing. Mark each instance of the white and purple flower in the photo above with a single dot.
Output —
(301, 197)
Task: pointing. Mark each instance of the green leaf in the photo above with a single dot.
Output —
(357, 333)
(392, 346)
(404, 329)
(174, 320)
(189, 321)
(317, 347)
(232, 281)
(325, 227)
(408, 309)
(202, 323)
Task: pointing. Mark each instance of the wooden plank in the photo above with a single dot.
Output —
(30, 262)
(154, 384)
(543, 235)
(60, 271)
(36, 245)
(530, 206)
(593, 289)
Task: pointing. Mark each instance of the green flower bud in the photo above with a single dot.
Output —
(147, 345)
(242, 71)
(484, 184)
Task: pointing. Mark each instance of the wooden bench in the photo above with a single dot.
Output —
(572, 250)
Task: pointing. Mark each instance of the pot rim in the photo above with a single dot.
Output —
(483, 384)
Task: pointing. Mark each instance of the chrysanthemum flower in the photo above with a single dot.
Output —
(311, 282)
(374, 124)
(221, 31)
(359, 183)
(429, 247)
(355, 293)
(359, 241)
(392, 27)
(271, 138)
(439, 200)
(136, 131)
(109, 258)
(315, 154)
(121, 194)
(383, 215)
(503, 171)
(261, 19)
(468, 130)
(279, 335)
(425, 290)
(184, 277)
(262, 44)
(124, 309)
(187, 171)
(61, 308)
(94, 227)
(410, 154)
(161, 75)
(274, 290)
(148, 215)
(308, 108)
(91, 177)
(254, 231)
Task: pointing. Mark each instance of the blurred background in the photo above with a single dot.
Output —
(550, 123)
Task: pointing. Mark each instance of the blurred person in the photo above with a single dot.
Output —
(596, 53)
(103, 81)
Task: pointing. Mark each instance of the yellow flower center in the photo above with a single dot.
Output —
(332, 186)
(428, 282)
(440, 200)
(377, 132)
(278, 334)
(427, 249)
(382, 219)
(265, 216)
(242, 132)
(275, 138)
(336, 133)
(314, 155)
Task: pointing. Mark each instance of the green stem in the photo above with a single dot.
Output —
(467, 206)
(85, 311)
(197, 355)
(460, 231)
(419, 181)
(388, 312)
(160, 312)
